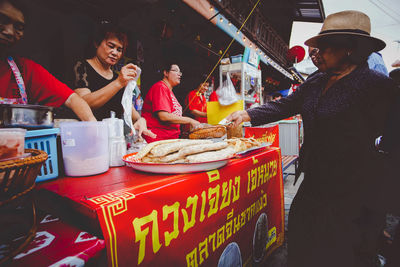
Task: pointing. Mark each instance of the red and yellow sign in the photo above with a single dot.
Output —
(269, 134)
(230, 214)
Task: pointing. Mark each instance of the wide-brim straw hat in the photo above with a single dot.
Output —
(348, 23)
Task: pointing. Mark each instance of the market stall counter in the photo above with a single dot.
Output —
(233, 214)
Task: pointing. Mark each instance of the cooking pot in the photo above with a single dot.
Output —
(26, 116)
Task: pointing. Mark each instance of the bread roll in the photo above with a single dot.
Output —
(215, 131)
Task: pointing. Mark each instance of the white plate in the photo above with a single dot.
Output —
(253, 150)
(168, 168)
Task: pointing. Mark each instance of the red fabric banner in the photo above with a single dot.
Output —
(269, 134)
(233, 214)
(58, 243)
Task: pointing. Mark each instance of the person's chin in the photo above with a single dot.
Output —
(112, 61)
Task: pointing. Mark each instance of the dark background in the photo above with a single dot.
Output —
(59, 32)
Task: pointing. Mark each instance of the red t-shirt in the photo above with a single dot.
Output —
(161, 98)
(213, 96)
(197, 102)
(42, 88)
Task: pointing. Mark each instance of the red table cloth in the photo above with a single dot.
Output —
(58, 243)
(230, 215)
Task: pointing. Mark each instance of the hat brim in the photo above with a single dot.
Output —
(376, 44)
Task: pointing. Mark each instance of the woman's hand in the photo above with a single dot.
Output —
(193, 123)
(238, 117)
(127, 73)
(141, 126)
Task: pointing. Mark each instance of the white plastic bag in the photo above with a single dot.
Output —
(227, 93)
(127, 100)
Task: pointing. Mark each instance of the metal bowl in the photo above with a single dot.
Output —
(26, 116)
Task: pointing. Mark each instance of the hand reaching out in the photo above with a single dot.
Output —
(127, 73)
(141, 126)
(238, 117)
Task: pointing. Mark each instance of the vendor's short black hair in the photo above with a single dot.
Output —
(104, 30)
(166, 65)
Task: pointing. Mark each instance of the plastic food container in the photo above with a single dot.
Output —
(12, 141)
(84, 147)
(237, 58)
(46, 140)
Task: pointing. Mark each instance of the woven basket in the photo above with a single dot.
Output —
(17, 207)
(17, 177)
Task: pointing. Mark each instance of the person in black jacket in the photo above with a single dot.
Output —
(390, 146)
(335, 219)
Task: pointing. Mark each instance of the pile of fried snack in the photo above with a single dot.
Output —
(193, 150)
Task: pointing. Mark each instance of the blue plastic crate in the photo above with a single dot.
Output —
(46, 140)
(237, 58)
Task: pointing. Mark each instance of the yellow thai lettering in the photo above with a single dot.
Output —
(248, 182)
(220, 236)
(187, 224)
(213, 176)
(253, 179)
(166, 211)
(242, 219)
(248, 213)
(141, 234)
(191, 259)
(260, 178)
(255, 161)
(226, 194)
(228, 228)
(213, 200)
(203, 251)
(236, 189)
(266, 173)
(212, 236)
(229, 215)
(203, 206)
(275, 168)
(253, 210)
(236, 224)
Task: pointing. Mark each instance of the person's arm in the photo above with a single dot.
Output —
(270, 111)
(140, 124)
(98, 98)
(198, 113)
(165, 116)
(80, 107)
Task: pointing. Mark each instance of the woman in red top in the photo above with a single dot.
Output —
(197, 102)
(162, 110)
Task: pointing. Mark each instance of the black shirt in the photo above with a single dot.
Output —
(87, 77)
